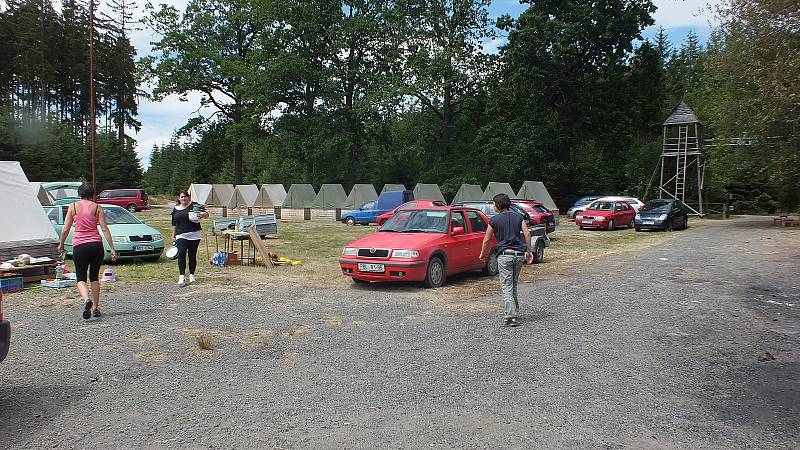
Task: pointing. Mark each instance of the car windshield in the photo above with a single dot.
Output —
(417, 221)
(368, 205)
(601, 206)
(119, 216)
(658, 206)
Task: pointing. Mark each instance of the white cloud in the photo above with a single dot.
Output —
(684, 13)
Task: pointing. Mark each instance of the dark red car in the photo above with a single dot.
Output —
(420, 244)
(412, 204)
(606, 214)
(538, 213)
(131, 199)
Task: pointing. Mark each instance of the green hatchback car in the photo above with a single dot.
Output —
(133, 239)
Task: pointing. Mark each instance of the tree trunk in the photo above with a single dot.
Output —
(238, 150)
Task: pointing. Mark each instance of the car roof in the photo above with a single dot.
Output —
(617, 198)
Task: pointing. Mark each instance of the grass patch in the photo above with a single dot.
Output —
(204, 341)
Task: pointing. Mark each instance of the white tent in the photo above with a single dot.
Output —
(223, 195)
(200, 193)
(495, 188)
(388, 187)
(272, 195)
(535, 190)
(247, 196)
(41, 193)
(26, 228)
(427, 191)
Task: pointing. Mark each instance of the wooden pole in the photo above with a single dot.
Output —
(92, 124)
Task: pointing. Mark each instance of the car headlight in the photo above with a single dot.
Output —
(405, 254)
(662, 217)
(349, 251)
(157, 237)
(578, 217)
(120, 239)
(638, 216)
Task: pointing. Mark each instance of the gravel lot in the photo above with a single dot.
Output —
(657, 348)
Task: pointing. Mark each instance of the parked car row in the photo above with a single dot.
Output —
(613, 212)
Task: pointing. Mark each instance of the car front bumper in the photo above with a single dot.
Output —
(648, 224)
(586, 223)
(5, 338)
(393, 270)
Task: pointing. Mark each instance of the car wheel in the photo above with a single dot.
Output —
(610, 224)
(359, 281)
(631, 224)
(436, 275)
(668, 226)
(581, 228)
(686, 223)
(350, 221)
(131, 208)
(491, 265)
(538, 256)
(575, 214)
(638, 229)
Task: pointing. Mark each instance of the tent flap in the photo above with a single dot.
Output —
(200, 193)
(425, 191)
(24, 222)
(359, 195)
(468, 193)
(330, 196)
(223, 195)
(300, 196)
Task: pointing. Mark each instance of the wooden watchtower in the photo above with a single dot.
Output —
(681, 154)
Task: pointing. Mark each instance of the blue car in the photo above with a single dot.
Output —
(662, 214)
(369, 213)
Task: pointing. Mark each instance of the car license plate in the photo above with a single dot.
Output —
(648, 222)
(366, 267)
(142, 248)
(587, 221)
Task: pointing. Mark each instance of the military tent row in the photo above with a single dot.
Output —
(530, 190)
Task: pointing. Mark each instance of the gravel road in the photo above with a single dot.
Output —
(657, 348)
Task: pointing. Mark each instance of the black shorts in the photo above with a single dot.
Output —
(88, 257)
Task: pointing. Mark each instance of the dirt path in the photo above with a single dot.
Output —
(657, 348)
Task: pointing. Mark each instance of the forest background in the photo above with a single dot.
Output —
(380, 91)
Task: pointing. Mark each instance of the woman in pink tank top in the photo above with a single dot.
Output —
(87, 246)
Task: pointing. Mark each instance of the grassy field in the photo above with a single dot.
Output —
(318, 245)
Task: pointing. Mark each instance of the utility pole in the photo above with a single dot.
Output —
(92, 124)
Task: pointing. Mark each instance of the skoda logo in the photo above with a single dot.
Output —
(372, 250)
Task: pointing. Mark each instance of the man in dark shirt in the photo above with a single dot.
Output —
(507, 225)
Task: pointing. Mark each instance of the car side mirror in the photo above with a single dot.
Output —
(457, 231)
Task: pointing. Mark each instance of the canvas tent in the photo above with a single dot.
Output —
(468, 193)
(223, 195)
(26, 228)
(393, 187)
(200, 193)
(330, 196)
(495, 188)
(535, 190)
(299, 196)
(425, 191)
(41, 194)
(272, 195)
(359, 195)
(247, 196)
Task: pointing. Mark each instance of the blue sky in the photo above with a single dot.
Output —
(160, 120)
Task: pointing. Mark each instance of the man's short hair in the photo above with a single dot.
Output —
(502, 201)
(86, 191)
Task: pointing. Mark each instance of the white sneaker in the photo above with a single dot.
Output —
(181, 280)
(192, 278)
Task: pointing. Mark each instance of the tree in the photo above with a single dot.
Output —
(210, 49)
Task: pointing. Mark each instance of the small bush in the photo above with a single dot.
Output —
(204, 342)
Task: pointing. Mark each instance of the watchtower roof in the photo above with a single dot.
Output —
(681, 114)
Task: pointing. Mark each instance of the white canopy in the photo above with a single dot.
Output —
(24, 222)
(41, 193)
(200, 193)
(247, 196)
(272, 195)
(223, 195)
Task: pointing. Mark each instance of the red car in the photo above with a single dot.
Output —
(412, 204)
(420, 244)
(538, 213)
(606, 214)
(131, 199)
